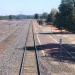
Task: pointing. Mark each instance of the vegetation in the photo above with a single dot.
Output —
(65, 17)
(10, 17)
(44, 15)
(51, 17)
(36, 16)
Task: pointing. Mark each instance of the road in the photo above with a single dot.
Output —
(53, 59)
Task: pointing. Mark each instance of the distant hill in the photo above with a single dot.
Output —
(16, 17)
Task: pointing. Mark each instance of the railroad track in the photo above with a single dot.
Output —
(24, 51)
(28, 68)
(36, 54)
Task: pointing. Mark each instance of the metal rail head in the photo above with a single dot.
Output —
(24, 50)
(37, 62)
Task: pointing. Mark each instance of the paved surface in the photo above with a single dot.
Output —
(49, 52)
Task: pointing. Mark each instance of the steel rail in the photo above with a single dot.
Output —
(36, 54)
(20, 70)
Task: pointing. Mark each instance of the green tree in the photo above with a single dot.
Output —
(10, 17)
(66, 16)
(51, 17)
(44, 15)
(36, 16)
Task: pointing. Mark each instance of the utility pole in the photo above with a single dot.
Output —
(60, 43)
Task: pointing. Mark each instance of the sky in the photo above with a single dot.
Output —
(28, 7)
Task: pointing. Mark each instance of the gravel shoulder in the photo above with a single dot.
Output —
(11, 50)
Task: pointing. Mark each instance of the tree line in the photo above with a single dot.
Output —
(64, 17)
(10, 17)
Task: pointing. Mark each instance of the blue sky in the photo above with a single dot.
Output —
(14, 7)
